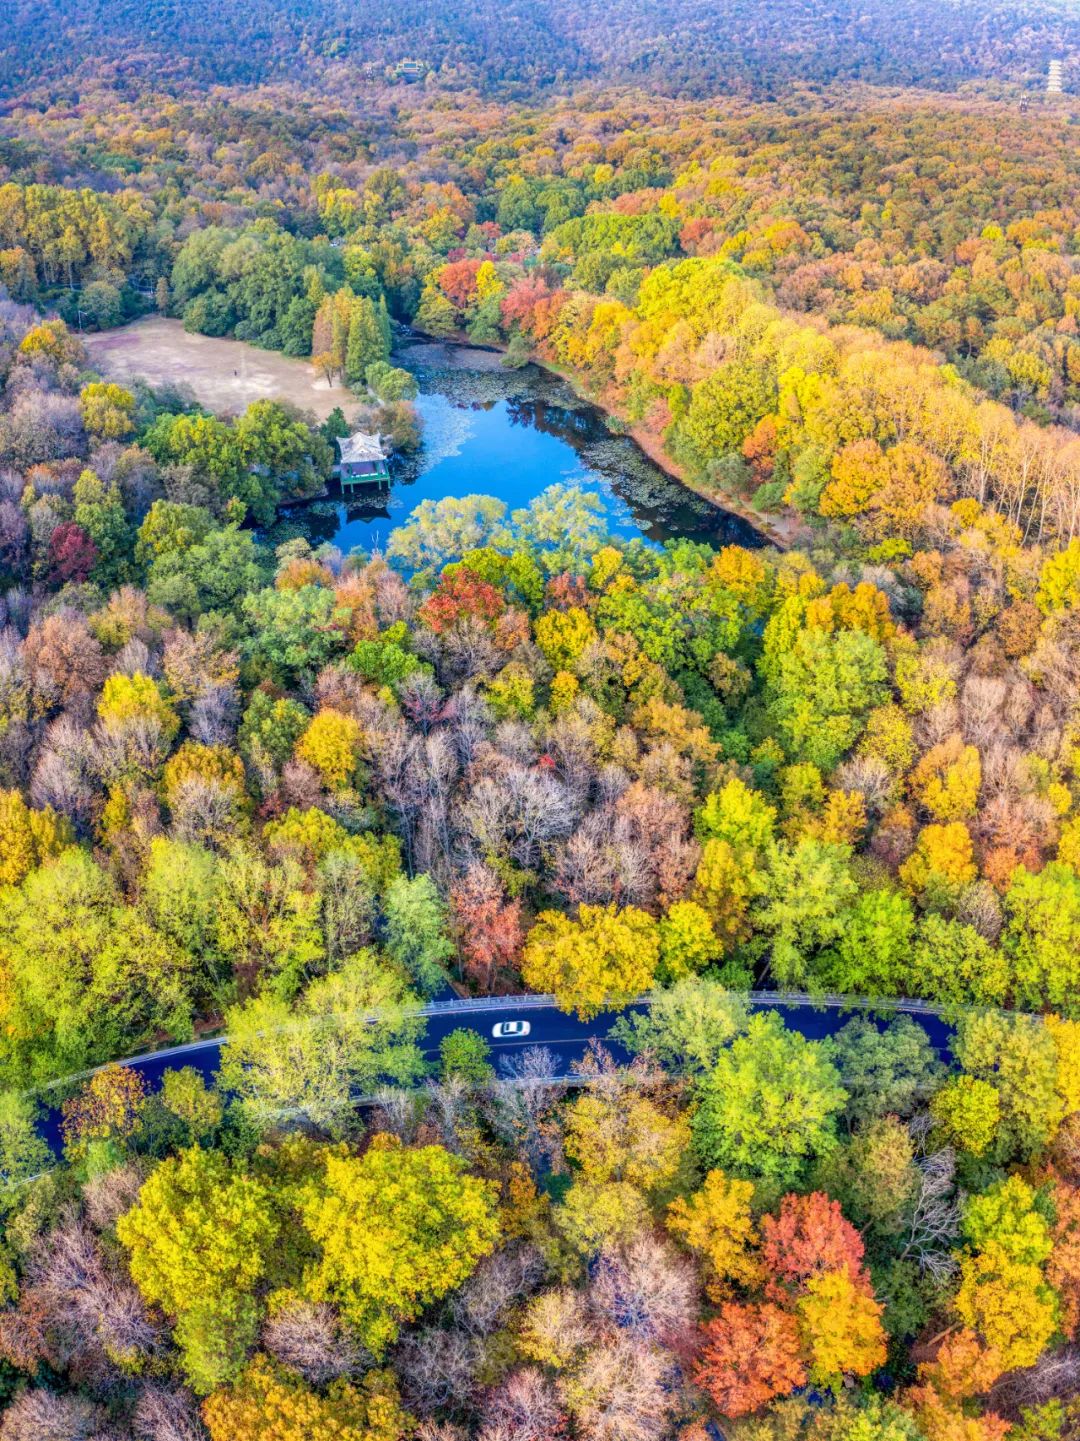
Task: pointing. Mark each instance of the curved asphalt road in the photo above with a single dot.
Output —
(565, 1035)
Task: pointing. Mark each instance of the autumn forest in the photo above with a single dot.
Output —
(789, 832)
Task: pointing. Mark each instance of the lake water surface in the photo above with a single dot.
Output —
(512, 433)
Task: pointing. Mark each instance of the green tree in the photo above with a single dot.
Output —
(270, 728)
(865, 1418)
(566, 523)
(686, 1026)
(23, 1152)
(435, 315)
(967, 1114)
(1042, 938)
(352, 1031)
(185, 1095)
(213, 573)
(386, 662)
(203, 442)
(170, 526)
(1018, 1057)
(102, 304)
(810, 892)
(874, 1177)
(416, 931)
(951, 963)
(368, 340)
(99, 510)
(181, 888)
(724, 408)
(872, 954)
(201, 1238)
(390, 382)
(819, 690)
(439, 531)
(294, 330)
(268, 923)
(293, 632)
(768, 1107)
(466, 1053)
(888, 1070)
(280, 456)
(86, 976)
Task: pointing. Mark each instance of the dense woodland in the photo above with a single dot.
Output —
(537, 45)
(291, 794)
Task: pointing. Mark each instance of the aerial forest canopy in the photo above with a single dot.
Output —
(823, 263)
(690, 48)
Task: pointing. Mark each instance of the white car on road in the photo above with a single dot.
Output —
(507, 1030)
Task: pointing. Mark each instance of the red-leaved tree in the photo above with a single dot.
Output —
(808, 1237)
(459, 595)
(457, 281)
(488, 925)
(520, 301)
(750, 1354)
(72, 554)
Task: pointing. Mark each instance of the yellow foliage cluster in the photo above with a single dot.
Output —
(563, 635)
(947, 779)
(718, 1223)
(841, 1327)
(273, 1404)
(193, 761)
(1008, 1304)
(28, 837)
(331, 744)
(943, 855)
(606, 957)
(138, 697)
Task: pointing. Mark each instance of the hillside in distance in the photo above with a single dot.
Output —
(692, 47)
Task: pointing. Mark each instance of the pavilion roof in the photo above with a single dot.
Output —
(359, 447)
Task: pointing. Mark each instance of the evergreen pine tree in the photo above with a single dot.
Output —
(368, 338)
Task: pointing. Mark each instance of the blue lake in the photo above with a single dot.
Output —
(488, 430)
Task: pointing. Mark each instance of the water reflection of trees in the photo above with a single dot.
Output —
(561, 421)
(533, 399)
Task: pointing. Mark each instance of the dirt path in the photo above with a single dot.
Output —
(224, 375)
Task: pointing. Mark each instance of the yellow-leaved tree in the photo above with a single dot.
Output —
(28, 837)
(200, 1240)
(331, 745)
(718, 1224)
(276, 1404)
(840, 1323)
(397, 1229)
(606, 957)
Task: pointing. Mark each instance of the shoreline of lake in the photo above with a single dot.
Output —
(648, 495)
(776, 530)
